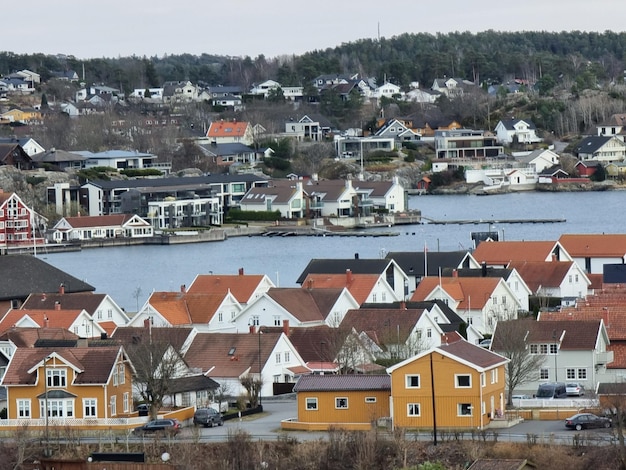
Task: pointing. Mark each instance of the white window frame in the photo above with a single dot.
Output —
(339, 401)
(458, 376)
(413, 409)
(311, 404)
(23, 408)
(370, 399)
(90, 407)
(462, 409)
(408, 378)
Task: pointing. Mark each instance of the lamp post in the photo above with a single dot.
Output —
(260, 377)
(556, 350)
(45, 404)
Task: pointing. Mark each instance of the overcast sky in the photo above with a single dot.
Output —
(275, 27)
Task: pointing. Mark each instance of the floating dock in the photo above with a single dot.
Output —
(493, 221)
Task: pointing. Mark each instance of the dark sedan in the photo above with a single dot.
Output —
(587, 421)
(170, 427)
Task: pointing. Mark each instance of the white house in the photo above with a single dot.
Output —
(516, 130)
(83, 228)
(387, 90)
(559, 279)
(540, 159)
(287, 197)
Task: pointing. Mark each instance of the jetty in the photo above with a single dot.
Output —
(493, 221)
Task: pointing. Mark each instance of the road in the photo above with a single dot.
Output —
(266, 426)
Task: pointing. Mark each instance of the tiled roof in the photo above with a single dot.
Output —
(115, 220)
(359, 285)
(183, 308)
(340, 266)
(594, 245)
(242, 286)
(44, 318)
(328, 190)
(307, 305)
(480, 357)
(210, 353)
(537, 274)
(24, 274)
(279, 194)
(192, 383)
(88, 301)
(317, 343)
(502, 253)
(227, 129)
(27, 337)
(175, 336)
(95, 364)
(413, 263)
(390, 325)
(471, 292)
(575, 335)
(314, 383)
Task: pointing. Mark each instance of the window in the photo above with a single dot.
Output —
(413, 409)
(463, 380)
(534, 349)
(412, 381)
(571, 374)
(429, 332)
(277, 378)
(341, 403)
(504, 300)
(383, 296)
(495, 300)
(90, 408)
(582, 374)
(494, 376)
(110, 313)
(23, 408)
(287, 356)
(255, 320)
(57, 408)
(374, 297)
(276, 320)
(543, 374)
(311, 403)
(220, 317)
(370, 399)
(278, 358)
(464, 409)
(483, 379)
(121, 373)
(57, 378)
(543, 349)
(99, 313)
(554, 348)
(113, 405)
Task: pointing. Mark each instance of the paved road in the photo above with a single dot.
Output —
(266, 426)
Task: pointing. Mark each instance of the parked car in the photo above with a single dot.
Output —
(587, 421)
(485, 343)
(575, 389)
(552, 390)
(143, 409)
(521, 397)
(207, 417)
(159, 426)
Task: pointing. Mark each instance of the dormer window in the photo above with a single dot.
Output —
(231, 351)
(56, 377)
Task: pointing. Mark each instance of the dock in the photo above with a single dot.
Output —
(493, 221)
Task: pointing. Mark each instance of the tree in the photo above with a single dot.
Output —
(253, 386)
(510, 341)
(276, 95)
(157, 362)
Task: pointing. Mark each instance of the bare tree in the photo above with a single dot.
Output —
(253, 386)
(510, 341)
(157, 362)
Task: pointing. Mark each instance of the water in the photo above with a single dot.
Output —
(130, 274)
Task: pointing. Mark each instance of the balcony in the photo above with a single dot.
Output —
(317, 205)
(604, 358)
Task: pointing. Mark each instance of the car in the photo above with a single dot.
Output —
(485, 343)
(170, 427)
(143, 409)
(587, 421)
(208, 417)
(551, 390)
(575, 389)
(521, 397)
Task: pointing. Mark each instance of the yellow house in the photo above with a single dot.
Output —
(21, 115)
(351, 402)
(74, 386)
(456, 385)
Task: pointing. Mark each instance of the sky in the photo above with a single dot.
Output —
(120, 28)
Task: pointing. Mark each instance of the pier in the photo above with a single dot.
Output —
(493, 221)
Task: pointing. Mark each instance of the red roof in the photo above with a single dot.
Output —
(115, 220)
(503, 253)
(224, 129)
(472, 293)
(242, 286)
(359, 285)
(595, 245)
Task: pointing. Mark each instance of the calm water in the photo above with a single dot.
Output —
(121, 271)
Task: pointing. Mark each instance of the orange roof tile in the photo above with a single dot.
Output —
(503, 253)
(43, 318)
(183, 308)
(537, 274)
(359, 285)
(227, 129)
(242, 286)
(470, 292)
(594, 245)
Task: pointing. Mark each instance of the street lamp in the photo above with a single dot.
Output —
(45, 403)
(556, 350)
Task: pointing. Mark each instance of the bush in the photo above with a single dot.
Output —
(236, 214)
(132, 172)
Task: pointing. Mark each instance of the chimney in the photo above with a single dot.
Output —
(455, 273)
(356, 256)
(44, 297)
(252, 329)
(62, 289)
(286, 327)
(183, 288)
(147, 323)
(483, 268)
(82, 343)
(310, 284)
(241, 271)
(45, 321)
(553, 256)
(57, 305)
(348, 276)
(403, 305)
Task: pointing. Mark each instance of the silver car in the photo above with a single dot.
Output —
(574, 389)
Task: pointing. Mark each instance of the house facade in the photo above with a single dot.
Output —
(522, 131)
(78, 386)
(85, 228)
(452, 386)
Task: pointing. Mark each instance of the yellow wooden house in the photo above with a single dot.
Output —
(24, 115)
(351, 402)
(83, 387)
(456, 385)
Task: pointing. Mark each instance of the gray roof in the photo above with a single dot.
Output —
(509, 124)
(313, 383)
(25, 274)
(339, 266)
(413, 263)
(233, 148)
(178, 181)
(591, 144)
(58, 156)
(192, 383)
